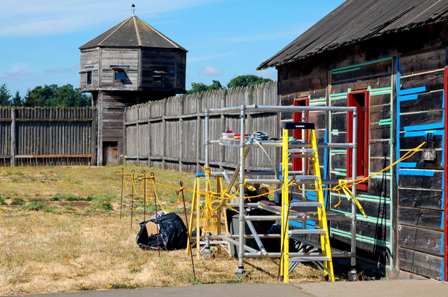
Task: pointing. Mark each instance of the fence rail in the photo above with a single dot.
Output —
(47, 136)
(168, 133)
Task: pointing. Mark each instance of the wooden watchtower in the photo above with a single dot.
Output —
(128, 64)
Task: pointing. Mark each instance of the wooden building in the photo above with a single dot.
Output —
(389, 59)
(130, 63)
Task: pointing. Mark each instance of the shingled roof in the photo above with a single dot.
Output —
(132, 32)
(358, 20)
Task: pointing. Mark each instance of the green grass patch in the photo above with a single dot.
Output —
(17, 202)
(70, 197)
(2, 200)
(35, 205)
(38, 205)
(101, 202)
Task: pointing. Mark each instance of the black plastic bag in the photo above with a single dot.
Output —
(172, 234)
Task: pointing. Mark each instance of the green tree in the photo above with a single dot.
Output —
(5, 95)
(55, 96)
(201, 87)
(16, 100)
(247, 80)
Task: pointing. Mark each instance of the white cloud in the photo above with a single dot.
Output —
(16, 72)
(40, 17)
(211, 71)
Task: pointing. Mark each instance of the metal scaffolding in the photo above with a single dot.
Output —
(246, 176)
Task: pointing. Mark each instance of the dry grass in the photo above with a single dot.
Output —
(71, 245)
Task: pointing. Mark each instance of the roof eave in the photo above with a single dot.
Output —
(132, 47)
(268, 63)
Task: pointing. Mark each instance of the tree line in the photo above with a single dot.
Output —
(69, 96)
(45, 96)
(239, 81)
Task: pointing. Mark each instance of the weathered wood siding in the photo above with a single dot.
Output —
(47, 136)
(168, 133)
(160, 71)
(420, 87)
(375, 233)
(128, 60)
(404, 228)
(89, 63)
(163, 70)
(110, 117)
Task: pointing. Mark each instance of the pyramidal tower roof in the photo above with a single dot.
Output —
(132, 32)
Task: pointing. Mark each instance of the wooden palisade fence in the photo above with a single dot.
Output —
(168, 133)
(47, 136)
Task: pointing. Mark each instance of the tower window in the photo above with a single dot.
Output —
(120, 75)
(89, 77)
(360, 100)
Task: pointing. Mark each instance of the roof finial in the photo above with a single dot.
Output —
(133, 9)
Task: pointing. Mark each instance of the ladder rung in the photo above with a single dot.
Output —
(262, 218)
(301, 151)
(306, 231)
(306, 258)
(305, 204)
(303, 177)
(338, 145)
(268, 218)
(263, 181)
(298, 145)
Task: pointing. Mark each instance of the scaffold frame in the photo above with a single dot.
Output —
(239, 240)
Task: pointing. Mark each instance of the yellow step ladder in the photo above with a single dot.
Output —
(308, 151)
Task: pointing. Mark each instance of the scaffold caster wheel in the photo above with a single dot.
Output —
(240, 273)
(352, 275)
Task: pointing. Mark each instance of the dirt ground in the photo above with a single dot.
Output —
(61, 231)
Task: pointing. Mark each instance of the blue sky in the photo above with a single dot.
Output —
(39, 39)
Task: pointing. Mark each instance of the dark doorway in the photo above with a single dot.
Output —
(110, 153)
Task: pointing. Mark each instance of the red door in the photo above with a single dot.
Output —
(298, 163)
(360, 100)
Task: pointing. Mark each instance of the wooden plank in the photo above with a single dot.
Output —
(421, 118)
(422, 240)
(100, 130)
(181, 133)
(13, 148)
(420, 217)
(149, 136)
(421, 182)
(164, 135)
(420, 263)
(380, 209)
(425, 101)
(378, 230)
(420, 198)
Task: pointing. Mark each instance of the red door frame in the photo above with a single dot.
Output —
(351, 101)
(445, 179)
(298, 133)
